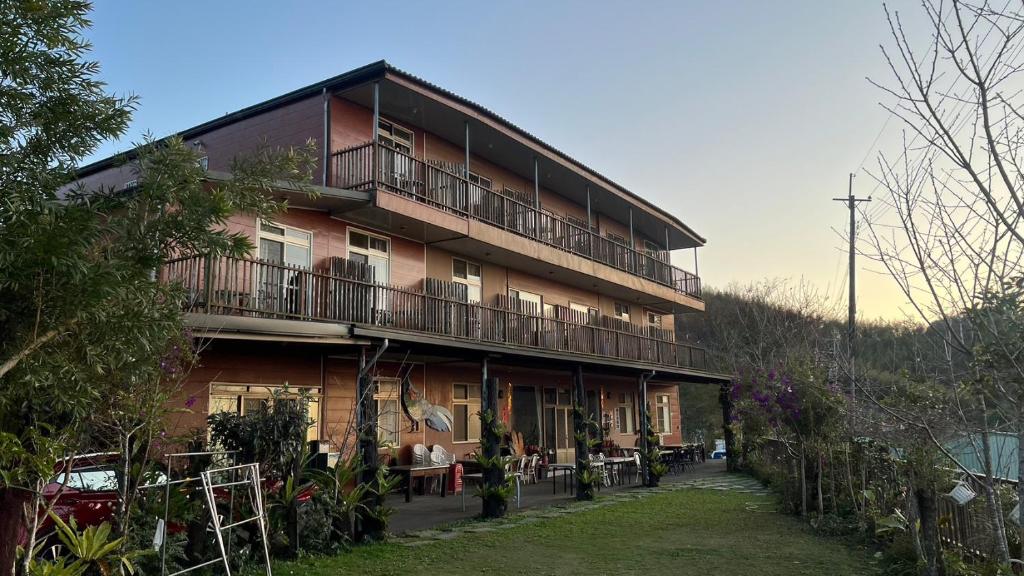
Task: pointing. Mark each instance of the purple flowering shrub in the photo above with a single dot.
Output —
(786, 402)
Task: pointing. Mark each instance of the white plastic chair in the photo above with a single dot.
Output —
(530, 474)
(637, 464)
(420, 455)
(597, 465)
(511, 474)
(438, 455)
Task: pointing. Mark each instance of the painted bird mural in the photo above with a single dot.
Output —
(418, 409)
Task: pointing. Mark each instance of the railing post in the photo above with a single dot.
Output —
(208, 282)
(374, 319)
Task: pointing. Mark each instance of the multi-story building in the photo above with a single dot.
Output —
(444, 244)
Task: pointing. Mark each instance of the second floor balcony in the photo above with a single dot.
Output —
(372, 166)
(342, 292)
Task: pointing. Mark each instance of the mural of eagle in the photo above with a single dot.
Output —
(418, 409)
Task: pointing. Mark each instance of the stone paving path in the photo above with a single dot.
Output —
(726, 482)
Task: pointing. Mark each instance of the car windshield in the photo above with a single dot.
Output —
(90, 479)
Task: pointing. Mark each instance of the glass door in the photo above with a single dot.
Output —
(284, 251)
(558, 434)
(375, 252)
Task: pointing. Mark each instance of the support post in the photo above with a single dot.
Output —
(653, 468)
(366, 418)
(376, 110)
(725, 400)
(633, 256)
(584, 490)
(590, 216)
(644, 448)
(590, 226)
(632, 242)
(466, 171)
(494, 504)
(375, 168)
(536, 184)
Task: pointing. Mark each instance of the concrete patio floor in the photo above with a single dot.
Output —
(431, 510)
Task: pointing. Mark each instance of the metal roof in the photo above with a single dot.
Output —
(375, 71)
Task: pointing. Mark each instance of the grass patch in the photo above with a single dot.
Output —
(688, 532)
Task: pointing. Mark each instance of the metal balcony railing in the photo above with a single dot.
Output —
(341, 292)
(372, 166)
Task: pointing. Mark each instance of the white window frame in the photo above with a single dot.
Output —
(481, 181)
(625, 401)
(350, 249)
(263, 233)
(469, 280)
(240, 391)
(516, 294)
(470, 402)
(616, 238)
(664, 413)
(626, 316)
(590, 312)
(386, 135)
(660, 323)
(378, 398)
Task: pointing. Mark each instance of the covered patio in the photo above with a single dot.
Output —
(431, 510)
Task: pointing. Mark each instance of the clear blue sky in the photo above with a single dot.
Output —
(742, 118)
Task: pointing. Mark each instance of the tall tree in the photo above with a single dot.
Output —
(84, 322)
(950, 227)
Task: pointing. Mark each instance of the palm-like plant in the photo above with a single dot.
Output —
(92, 547)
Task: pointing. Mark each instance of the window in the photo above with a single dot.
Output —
(280, 244)
(622, 311)
(527, 302)
(467, 274)
(245, 398)
(616, 238)
(465, 410)
(624, 414)
(481, 181)
(130, 184)
(664, 418)
(388, 416)
(583, 314)
(371, 250)
(653, 318)
(394, 136)
(204, 163)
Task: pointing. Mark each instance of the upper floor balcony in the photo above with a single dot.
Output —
(342, 292)
(444, 186)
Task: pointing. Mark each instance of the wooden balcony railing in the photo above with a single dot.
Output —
(371, 166)
(343, 293)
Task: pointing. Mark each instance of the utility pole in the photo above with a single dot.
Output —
(851, 203)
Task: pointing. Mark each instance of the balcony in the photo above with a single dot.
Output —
(341, 292)
(372, 166)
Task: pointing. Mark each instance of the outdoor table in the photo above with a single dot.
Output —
(409, 472)
(469, 464)
(567, 471)
(615, 465)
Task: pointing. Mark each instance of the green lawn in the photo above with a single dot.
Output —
(699, 532)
